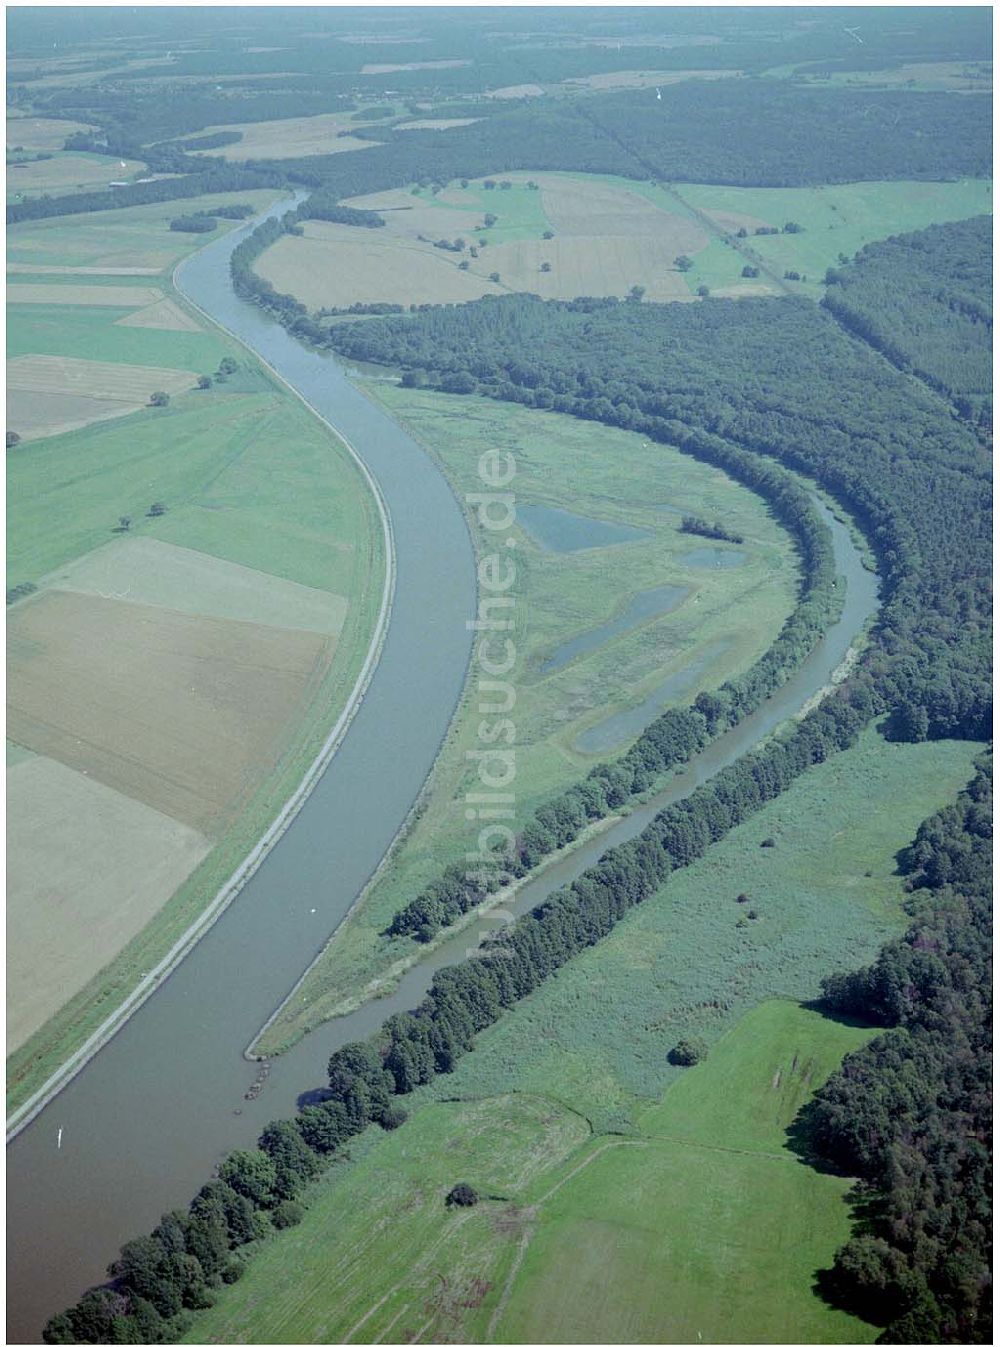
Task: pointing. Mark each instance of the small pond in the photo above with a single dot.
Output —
(624, 725)
(561, 531)
(650, 603)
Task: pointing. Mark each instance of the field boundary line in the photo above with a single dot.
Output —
(69, 1069)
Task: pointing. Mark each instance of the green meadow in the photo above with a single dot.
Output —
(518, 208)
(628, 1199)
(708, 1229)
(727, 617)
(90, 333)
(137, 236)
(836, 220)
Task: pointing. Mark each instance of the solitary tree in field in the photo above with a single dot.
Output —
(227, 365)
(688, 1052)
(548, 234)
(124, 522)
(703, 291)
(156, 509)
(463, 266)
(204, 381)
(159, 399)
(636, 293)
(683, 263)
(546, 266)
(495, 277)
(489, 221)
(12, 438)
(462, 1195)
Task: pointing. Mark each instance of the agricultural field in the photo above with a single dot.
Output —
(48, 394)
(199, 587)
(605, 239)
(287, 138)
(108, 241)
(65, 173)
(39, 134)
(570, 1118)
(915, 76)
(577, 667)
(641, 79)
(607, 235)
(836, 220)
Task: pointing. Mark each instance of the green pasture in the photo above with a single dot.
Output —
(708, 1229)
(135, 236)
(519, 210)
(87, 333)
(652, 1237)
(610, 475)
(691, 960)
(835, 220)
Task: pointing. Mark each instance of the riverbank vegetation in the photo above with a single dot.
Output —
(637, 1065)
(779, 378)
(715, 627)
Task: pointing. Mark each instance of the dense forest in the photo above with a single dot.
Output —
(778, 377)
(215, 179)
(910, 1114)
(924, 301)
(789, 136)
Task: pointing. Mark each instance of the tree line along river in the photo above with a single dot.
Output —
(146, 1120)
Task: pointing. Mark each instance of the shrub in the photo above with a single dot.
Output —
(687, 1052)
(462, 1195)
(287, 1214)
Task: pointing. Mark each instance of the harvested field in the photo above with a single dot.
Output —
(87, 868)
(594, 209)
(183, 713)
(164, 314)
(40, 133)
(68, 172)
(644, 79)
(34, 415)
(517, 91)
(94, 296)
(589, 266)
(339, 270)
(93, 378)
(607, 240)
(19, 268)
(288, 138)
(436, 123)
(391, 69)
(147, 571)
(50, 394)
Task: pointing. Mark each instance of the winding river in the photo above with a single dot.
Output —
(146, 1120)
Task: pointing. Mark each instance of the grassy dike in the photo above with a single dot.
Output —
(571, 1119)
(606, 474)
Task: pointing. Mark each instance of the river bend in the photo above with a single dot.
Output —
(147, 1119)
